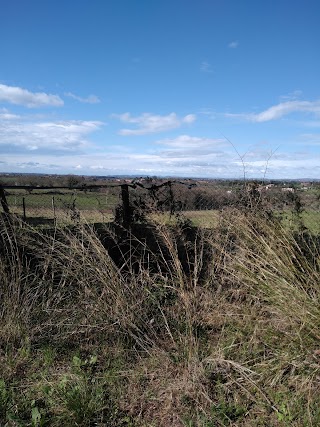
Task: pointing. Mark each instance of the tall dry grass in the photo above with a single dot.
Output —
(178, 326)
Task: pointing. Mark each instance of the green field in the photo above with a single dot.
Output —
(210, 219)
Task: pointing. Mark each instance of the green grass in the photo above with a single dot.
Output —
(309, 219)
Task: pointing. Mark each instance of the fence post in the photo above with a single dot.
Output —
(24, 208)
(4, 202)
(171, 198)
(54, 211)
(126, 211)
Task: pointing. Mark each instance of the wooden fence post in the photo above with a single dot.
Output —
(126, 211)
(24, 208)
(54, 211)
(171, 198)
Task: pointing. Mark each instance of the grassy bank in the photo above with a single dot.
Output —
(168, 326)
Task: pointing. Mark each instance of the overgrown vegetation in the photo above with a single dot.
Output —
(162, 325)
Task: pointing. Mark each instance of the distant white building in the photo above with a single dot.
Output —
(265, 187)
(287, 190)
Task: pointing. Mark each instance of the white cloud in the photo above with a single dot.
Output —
(192, 148)
(233, 44)
(37, 166)
(212, 159)
(60, 136)
(148, 123)
(91, 99)
(6, 115)
(189, 118)
(294, 165)
(284, 108)
(280, 110)
(186, 142)
(18, 96)
(206, 67)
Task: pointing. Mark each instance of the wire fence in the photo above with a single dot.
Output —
(62, 204)
(140, 200)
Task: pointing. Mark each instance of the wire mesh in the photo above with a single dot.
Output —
(64, 205)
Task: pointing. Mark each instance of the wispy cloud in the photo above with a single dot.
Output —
(38, 166)
(148, 123)
(280, 110)
(187, 141)
(292, 96)
(206, 67)
(19, 96)
(191, 147)
(233, 45)
(311, 138)
(91, 99)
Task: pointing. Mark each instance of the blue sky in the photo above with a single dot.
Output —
(206, 88)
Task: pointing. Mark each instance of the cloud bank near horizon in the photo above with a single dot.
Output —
(46, 143)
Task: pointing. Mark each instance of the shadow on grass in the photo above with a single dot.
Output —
(40, 221)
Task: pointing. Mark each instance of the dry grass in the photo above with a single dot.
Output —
(202, 327)
(63, 216)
